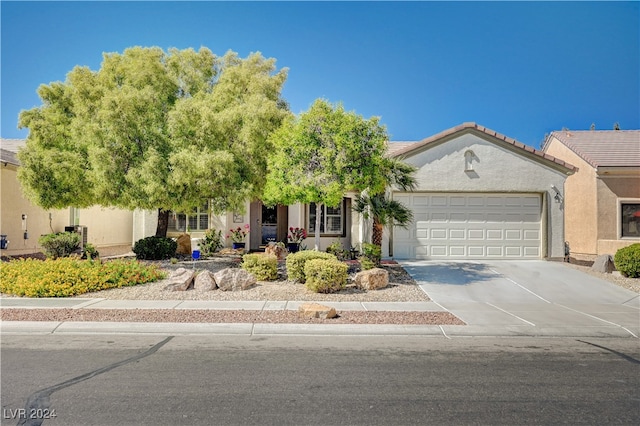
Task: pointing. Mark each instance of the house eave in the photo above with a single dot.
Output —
(617, 171)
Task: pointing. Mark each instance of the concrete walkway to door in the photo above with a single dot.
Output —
(537, 298)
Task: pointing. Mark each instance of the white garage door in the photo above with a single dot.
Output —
(470, 226)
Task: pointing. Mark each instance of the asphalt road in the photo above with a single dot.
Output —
(238, 380)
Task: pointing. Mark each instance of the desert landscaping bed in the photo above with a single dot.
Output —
(213, 316)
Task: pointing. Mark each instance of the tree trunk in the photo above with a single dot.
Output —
(376, 237)
(163, 223)
(317, 236)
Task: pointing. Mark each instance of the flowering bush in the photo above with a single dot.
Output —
(297, 235)
(239, 234)
(66, 277)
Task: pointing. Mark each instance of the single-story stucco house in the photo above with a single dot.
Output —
(602, 203)
(480, 195)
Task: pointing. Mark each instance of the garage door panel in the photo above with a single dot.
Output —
(472, 226)
(456, 234)
(532, 234)
(457, 251)
(513, 234)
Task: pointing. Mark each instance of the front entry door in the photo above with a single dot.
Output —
(269, 224)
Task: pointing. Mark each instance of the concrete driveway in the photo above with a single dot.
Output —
(527, 298)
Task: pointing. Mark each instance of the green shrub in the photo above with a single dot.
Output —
(366, 264)
(68, 276)
(90, 252)
(212, 242)
(627, 260)
(155, 248)
(325, 275)
(295, 262)
(61, 244)
(263, 266)
(372, 253)
(337, 249)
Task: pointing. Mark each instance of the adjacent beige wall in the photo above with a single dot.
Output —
(580, 209)
(105, 227)
(591, 206)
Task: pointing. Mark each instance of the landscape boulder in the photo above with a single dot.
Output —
(204, 281)
(604, 264)
(180, 280)
(372, 279)
(184, 244)
(277, 250)
(316, 310)
(234, 279)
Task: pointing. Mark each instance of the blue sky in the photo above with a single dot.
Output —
(522, 69)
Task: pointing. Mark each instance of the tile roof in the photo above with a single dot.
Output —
(9, 149)
(409, 147)
(603, 148)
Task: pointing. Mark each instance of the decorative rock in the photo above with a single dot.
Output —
(603, 263)
(184, 244)
(204, 281)
(180, 280)
(234, 279)
(372, 279)
(231, 252)
(316, 310)
(277, 250)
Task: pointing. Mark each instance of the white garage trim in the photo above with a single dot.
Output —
(471, 226)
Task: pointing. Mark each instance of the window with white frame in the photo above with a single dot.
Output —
(331, 219)
(197, 220)
(630, 219)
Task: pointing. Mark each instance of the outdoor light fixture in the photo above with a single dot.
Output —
(557, 196)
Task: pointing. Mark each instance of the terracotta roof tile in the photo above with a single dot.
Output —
(602, 148)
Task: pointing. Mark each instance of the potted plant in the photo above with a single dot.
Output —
(238, 236)
(296, 236)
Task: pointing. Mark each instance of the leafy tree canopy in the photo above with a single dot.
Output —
(154, 129)
(324, 153)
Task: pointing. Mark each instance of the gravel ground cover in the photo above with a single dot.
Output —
(402, 288)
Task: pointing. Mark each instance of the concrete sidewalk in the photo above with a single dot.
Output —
(477, 324)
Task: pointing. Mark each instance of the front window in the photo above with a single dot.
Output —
(630, 220)
(331, 219)
(197, 220)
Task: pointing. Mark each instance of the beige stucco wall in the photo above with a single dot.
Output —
(611, 190)
(105, 227)
(592, 217)
(581, 212)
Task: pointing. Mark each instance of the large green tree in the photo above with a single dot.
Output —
(154, 130)
(321, 155)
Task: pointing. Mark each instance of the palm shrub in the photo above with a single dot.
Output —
(60, 244)
(263, 266)
(295, 262)
(325, 275)
(155, 248)
(627, 260)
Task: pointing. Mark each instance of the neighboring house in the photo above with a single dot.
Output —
(602, 203)
(22, 222)
(480, 195)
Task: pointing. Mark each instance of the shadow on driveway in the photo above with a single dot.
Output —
(450, 273)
